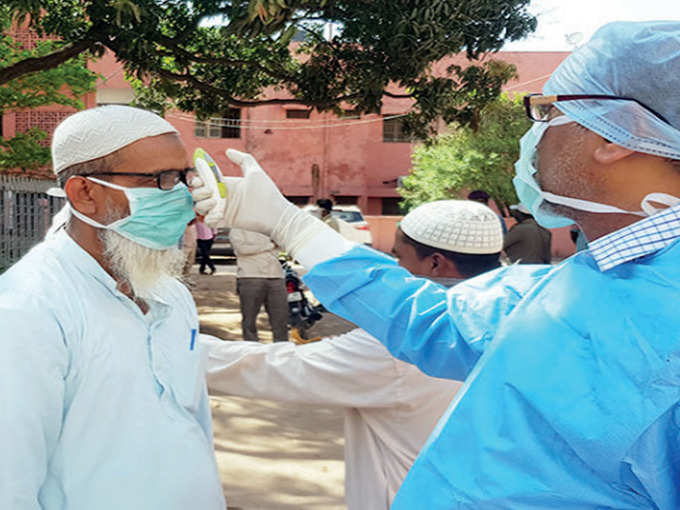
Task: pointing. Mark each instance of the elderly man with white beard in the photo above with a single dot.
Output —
(101, 380)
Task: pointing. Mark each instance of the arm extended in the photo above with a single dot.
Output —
(442, 331)
(350, 370)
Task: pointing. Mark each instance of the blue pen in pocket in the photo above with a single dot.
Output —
(193, 339)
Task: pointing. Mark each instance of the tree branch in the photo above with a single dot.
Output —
(177, 50)
(225, 94)
(50, 61)
(397, 96)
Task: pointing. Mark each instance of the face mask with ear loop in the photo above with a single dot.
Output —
(534, 198)
(157, 217)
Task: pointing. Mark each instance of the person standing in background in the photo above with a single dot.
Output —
(205, 236)
(483, 197)
(527, 242)
(259, 281)
(189, 247)
(326, 207)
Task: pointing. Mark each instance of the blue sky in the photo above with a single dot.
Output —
(557, 19)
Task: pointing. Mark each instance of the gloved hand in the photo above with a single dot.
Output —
(254, 203)
(212, 210)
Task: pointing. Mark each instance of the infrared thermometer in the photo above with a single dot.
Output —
(211, 176)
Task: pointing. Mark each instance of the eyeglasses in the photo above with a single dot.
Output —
(538, 106)
(165, 180)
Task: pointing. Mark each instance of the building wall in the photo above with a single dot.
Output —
(307, 158)
(324, 155)
(316, 157)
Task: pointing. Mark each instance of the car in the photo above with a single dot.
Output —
(352, 224)
(222, 245)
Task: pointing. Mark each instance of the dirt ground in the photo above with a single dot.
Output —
(271, 456)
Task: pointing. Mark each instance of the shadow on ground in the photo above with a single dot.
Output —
(275, 456)
(271, 455)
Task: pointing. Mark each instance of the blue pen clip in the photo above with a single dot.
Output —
(193, 339)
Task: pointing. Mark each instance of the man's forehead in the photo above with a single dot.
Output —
(153, 154)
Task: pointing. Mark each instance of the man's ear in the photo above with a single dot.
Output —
(79, 192)
(437, 264)
(607, 152)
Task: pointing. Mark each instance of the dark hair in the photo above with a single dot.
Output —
(325, 203)
(468, 264)
(479, 195)
(520, 216)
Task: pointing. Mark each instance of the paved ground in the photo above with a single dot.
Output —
(271, 456)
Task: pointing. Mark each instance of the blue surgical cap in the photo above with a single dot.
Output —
(629, 59)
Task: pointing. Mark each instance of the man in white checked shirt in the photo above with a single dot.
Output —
(572, 372)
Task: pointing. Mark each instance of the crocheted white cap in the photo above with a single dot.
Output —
(98, 132)
(462, 226)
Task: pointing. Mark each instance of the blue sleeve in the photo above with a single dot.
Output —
(652, 466)
(442, 331)
(33, 366)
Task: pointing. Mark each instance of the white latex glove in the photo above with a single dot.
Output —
(205, 205)
(254, 203)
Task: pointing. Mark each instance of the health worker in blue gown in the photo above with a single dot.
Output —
(572, 372)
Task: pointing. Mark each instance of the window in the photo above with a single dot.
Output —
(391, 207)
(393, 130)
(298, 200)
(227, 127)
(345, 199)
(297, 114)
(47, 121)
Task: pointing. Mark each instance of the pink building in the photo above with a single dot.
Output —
(354, 160)
(308, 154)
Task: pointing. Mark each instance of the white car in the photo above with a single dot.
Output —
(352, 224)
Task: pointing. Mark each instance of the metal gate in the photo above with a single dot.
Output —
(25, 215)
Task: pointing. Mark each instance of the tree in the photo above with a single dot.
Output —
(465, 159)
(57, 85)
(207, 55)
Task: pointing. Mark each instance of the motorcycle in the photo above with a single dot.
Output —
(301, 314)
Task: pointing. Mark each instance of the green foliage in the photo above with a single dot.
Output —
(465, 159)
(24, 150)
(60, 85)
(207, 55)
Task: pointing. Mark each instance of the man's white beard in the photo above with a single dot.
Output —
(142, 268)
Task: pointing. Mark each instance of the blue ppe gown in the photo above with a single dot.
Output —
(101, 407)
(572, 378)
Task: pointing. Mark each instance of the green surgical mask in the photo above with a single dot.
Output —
(157, 217)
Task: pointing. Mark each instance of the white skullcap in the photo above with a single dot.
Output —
(98, 132)
(463, 226)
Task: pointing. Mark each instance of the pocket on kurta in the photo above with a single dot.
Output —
(188, 378)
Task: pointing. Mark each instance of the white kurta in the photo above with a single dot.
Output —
(101, 407)
(391, 407)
